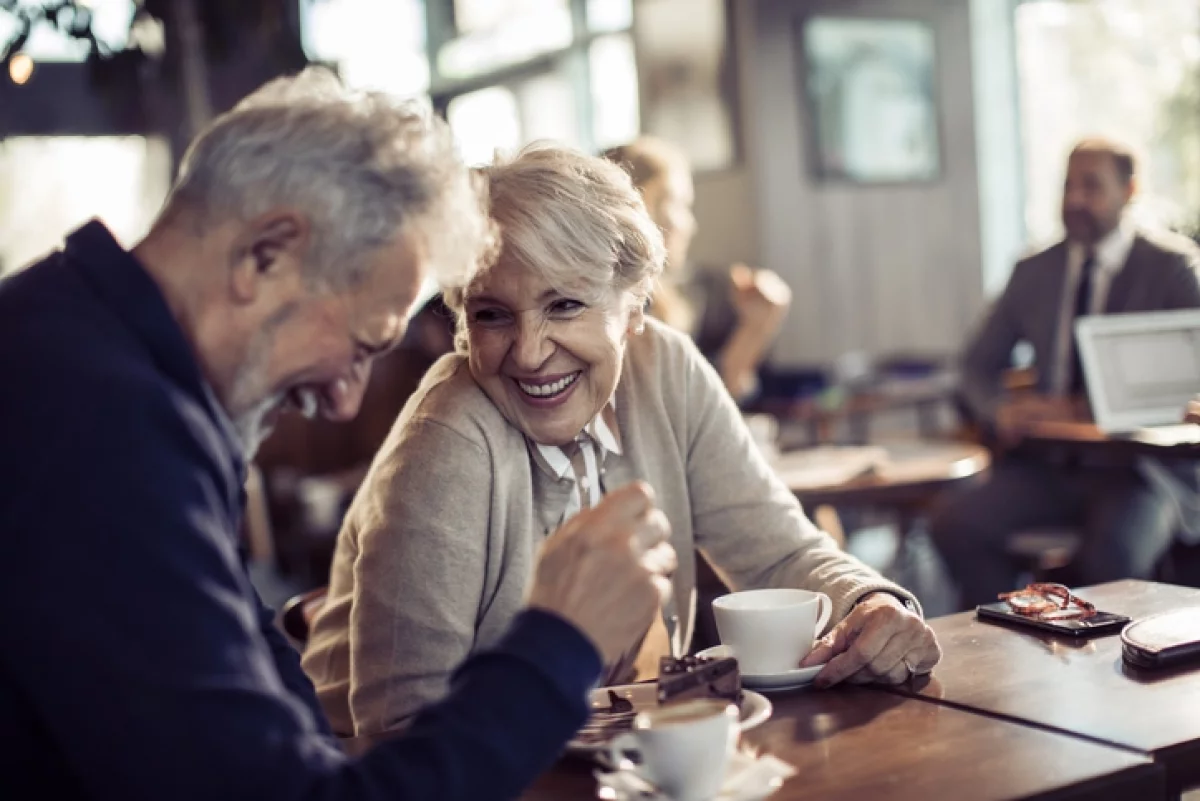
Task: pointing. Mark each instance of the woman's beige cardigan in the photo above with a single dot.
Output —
(438, 547)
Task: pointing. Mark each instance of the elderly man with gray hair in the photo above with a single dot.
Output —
(138, 661)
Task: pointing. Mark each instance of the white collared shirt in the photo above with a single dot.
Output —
(596, 442)
(600, 440)
(1110, 255)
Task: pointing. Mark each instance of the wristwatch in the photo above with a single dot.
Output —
(908, 602)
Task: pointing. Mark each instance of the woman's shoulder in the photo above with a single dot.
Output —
(665, 359)
(449, 397)
(660, 342)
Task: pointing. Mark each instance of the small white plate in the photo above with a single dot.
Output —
(768, 682)
(749, 777)
(593, 739)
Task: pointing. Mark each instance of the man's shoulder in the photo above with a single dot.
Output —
(43, 297)
(1035, 272)
(106, 423)
(1044, 256)
(1158, 246)
(67, 395)
(81, 378)
(55, 336)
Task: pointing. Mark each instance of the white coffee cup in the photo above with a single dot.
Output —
(770, 631)
(683, 749)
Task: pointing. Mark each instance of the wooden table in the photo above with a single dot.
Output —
(1084, 438)
(860, 743)
(855, 410)
(914, 472)
(1081, 688)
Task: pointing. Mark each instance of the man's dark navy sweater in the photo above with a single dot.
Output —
(136, 660)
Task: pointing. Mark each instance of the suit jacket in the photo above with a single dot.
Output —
(1160, 273)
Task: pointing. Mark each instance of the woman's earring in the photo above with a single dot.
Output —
(638, 319)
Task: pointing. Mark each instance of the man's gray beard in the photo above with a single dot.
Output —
(253, 428)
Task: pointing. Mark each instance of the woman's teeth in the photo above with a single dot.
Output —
(548, 390)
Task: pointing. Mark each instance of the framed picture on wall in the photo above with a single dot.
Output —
(871, 98)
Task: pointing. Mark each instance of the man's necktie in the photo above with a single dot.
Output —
(1083, 307)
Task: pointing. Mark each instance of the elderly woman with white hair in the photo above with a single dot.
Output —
(563, 389)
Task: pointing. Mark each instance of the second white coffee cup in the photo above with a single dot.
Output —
(684, 748)
(770, 631)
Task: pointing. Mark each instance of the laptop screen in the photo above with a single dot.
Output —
(1141, 369)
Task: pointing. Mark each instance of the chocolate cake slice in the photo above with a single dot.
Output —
(691, 677)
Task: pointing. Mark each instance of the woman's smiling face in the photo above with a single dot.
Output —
(550, 362)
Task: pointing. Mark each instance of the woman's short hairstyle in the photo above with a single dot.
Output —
(574, 219)
(363, 166)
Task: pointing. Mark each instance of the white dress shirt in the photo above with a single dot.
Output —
(582, 462)
(1110, 255)
(586, 472)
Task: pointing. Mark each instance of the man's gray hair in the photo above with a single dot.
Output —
(363, 166)
(576, 220)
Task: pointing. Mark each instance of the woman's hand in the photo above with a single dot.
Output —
(879, 641)
(760, 297)
(761, 300)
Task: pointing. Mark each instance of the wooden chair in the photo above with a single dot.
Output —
(298, 613)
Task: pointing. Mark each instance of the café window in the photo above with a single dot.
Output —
(491, 34)
(108, 20)
(485, 121)
(542, 69)
(1126, 69)
(51, 185)
(507, 72)
(373, 44)
(687, 70)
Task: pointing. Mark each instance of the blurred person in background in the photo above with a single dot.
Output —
(1105, 265)
(138, 660)
(733, 315)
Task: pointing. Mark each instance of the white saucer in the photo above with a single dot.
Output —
(795, 679)
(592, 739)
(750, 777)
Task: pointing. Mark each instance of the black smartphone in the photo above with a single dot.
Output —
(1098, 624)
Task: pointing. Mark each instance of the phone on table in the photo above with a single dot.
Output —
(1098, 624)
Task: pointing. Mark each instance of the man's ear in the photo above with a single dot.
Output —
(271, 246)
(1132, 189)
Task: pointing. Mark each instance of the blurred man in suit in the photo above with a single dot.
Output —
(1104, 266)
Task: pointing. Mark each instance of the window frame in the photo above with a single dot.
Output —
(571, 60)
